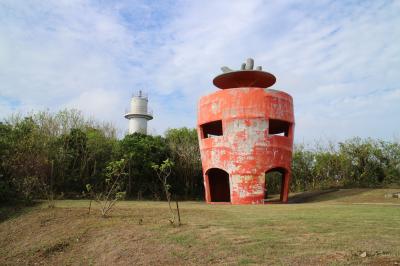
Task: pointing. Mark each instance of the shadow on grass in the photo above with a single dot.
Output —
(325, 195)
(14, 209)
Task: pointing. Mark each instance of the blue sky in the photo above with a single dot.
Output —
(340, 60)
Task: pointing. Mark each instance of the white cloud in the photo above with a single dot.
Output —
(339, 61)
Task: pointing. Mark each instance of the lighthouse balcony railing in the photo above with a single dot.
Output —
(149, 112)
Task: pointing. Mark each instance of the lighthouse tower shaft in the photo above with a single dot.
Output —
(138, 114)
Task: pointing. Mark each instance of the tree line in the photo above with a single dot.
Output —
(53, 154)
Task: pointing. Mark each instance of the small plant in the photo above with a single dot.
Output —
(47, 187)
(111, 192)
(163, 172)
(89, 193)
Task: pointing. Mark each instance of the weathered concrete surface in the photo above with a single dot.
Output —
(246, 150)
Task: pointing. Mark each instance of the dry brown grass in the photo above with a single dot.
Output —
(332, 230)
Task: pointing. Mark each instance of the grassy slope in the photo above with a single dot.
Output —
(333, 228)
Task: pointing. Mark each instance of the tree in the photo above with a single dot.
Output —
(365, 162)
(27, 163)
(141, 151)
(184, 150)
(112, 190)
(7, 190)
(47, 154)
(302, 168)
(163, 171)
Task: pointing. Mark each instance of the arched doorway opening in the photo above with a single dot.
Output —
(274, 185)
(218, 184)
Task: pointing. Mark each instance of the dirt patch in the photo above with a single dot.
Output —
(70, 236)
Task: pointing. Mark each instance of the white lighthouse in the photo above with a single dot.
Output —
(138, 114)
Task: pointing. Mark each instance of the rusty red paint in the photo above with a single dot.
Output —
(246, 150)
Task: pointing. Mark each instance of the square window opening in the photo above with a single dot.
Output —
(278, 128)
(212, 129)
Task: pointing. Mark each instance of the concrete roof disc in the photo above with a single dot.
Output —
(244, 78)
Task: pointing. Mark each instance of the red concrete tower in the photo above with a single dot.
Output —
(245, 131)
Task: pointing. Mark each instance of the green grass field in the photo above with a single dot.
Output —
(357, 226)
